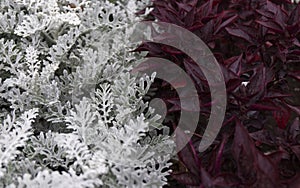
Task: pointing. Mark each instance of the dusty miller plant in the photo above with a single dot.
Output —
(71, 113)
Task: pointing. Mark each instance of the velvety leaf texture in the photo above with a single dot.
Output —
(71, 113)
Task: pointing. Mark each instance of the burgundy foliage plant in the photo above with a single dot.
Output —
(256, 42)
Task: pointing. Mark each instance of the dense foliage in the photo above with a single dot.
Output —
(256, 42)
(71, 113)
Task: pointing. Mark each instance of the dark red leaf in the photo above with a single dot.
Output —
(282, 117)
(236, 66)
(206, 179)
(294, 108)
(264, 136)
(263, 107)
(186, 178)
(239, 33)
(271, 25)
(242, 152)
(295, 74)
(226, 23)
(188, 154)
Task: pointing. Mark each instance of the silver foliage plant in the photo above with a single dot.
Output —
(71, 113)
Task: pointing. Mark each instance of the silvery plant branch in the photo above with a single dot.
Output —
(71, 113)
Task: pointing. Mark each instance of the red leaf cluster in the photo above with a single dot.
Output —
(255, 42)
